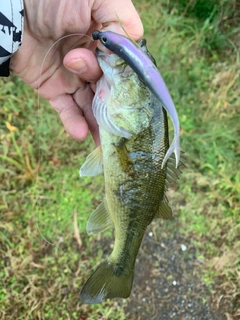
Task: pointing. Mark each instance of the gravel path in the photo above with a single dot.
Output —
(167, 283)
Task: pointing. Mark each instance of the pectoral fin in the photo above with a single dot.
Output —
(164, 211)
(99, 220)
(123, 157)
(93, 164)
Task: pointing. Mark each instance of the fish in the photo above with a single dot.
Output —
(134, 137)
(145, 67)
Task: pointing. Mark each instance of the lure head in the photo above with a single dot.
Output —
(101, 36)
(108, 39)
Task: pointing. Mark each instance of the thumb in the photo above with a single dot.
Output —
(109, 13)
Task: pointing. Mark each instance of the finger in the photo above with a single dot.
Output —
(71, 116)
(83, 63)
(83, 98)
(109, 12)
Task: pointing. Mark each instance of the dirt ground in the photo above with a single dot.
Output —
(167, 282)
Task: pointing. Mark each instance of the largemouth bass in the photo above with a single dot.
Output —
(134, 140)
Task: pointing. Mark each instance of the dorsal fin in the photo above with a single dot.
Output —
(164, 211)
(172, 173)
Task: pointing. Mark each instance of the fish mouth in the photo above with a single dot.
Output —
(112, 66)
(110, 59)
(99, 53)
(106, 66)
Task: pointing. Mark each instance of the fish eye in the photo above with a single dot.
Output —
(104, 39)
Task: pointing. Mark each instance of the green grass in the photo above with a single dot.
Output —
(205, 82)
(41, 193)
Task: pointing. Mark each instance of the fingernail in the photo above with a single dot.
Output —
(77, 65)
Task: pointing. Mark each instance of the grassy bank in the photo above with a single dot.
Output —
(197, 47)
(45, 253)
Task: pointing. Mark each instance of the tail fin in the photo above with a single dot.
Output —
(107, 281)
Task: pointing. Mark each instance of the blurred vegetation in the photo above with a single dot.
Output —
(45, 253)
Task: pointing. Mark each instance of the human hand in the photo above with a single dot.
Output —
(46, 22)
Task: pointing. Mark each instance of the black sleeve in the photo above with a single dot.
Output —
(11, 30)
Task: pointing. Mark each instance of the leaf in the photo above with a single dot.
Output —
(10, 127)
